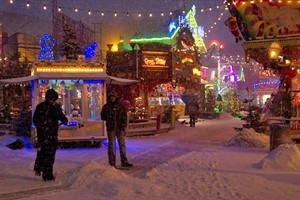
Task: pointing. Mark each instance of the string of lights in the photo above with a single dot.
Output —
(269, 1)
(103, 13)
(241, 61)
(214, 24)
(89, 12)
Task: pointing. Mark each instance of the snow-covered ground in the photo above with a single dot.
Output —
(207, 162)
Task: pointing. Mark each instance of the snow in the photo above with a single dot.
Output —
(187, 163)
(285, 157)
(249, 138)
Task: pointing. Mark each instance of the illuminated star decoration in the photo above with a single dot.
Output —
(90, 51)
(46, 42)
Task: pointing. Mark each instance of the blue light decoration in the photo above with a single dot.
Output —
(172, 27)
(46, 42)
(270, 84)
(90, 51)
(201, 31)
(73, 123)
(183, 22)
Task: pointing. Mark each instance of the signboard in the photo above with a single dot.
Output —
(295, 125)
(265, 74)
(154, 59)
(269, 19)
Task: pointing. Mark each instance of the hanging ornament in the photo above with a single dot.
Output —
(232, 24)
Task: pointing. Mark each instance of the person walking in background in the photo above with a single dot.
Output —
(192, 110)
(115, 115)
(46, 119)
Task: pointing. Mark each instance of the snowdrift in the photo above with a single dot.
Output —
(284, 157)
(249, 138)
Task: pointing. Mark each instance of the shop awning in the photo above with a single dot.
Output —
(18, 80)
(89, 76)
(121, 81)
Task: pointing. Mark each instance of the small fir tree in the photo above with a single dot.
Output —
(253, 116)
(70, 48)
(210, 102)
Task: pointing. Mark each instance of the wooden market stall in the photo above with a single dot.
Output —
(82, 93)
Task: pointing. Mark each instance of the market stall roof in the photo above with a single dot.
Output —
(96, 76)
(120, 81)
(18, 80)
(169, 30)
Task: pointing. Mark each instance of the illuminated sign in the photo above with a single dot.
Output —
(214, 42)
(270, 19)
(264, 73)
(154, 61)
(295, 125)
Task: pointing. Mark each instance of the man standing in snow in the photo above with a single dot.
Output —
(115, 116)
(192, 109)
(46, 120)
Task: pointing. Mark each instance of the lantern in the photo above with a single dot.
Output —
(274, 51)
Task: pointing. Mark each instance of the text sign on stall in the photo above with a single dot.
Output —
(295, 125)
(156, 59)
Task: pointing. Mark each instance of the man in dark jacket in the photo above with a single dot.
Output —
(192, 110)
(46, 120)
(115, 115)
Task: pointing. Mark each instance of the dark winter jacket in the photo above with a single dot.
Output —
(46, 119)
(192, 108)
(114, 113)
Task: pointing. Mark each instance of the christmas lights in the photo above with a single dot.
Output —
(116, 13)
(46, 43)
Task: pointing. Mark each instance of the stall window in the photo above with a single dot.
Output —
(95, 99)
(69, 94)
(75, 105)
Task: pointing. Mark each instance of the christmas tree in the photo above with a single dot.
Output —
(70, 48)
(252, 118)
(210, 102)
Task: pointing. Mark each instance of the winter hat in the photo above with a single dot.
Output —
(113, 93)
(51, 95)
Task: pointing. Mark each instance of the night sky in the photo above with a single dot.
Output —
(114, 27)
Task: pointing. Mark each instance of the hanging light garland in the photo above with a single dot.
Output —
(214, 24)
(150, 14)
(117, 13)
(240, 60)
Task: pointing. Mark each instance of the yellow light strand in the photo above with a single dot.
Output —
(102, 13)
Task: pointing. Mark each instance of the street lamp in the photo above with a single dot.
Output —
(274, 51)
